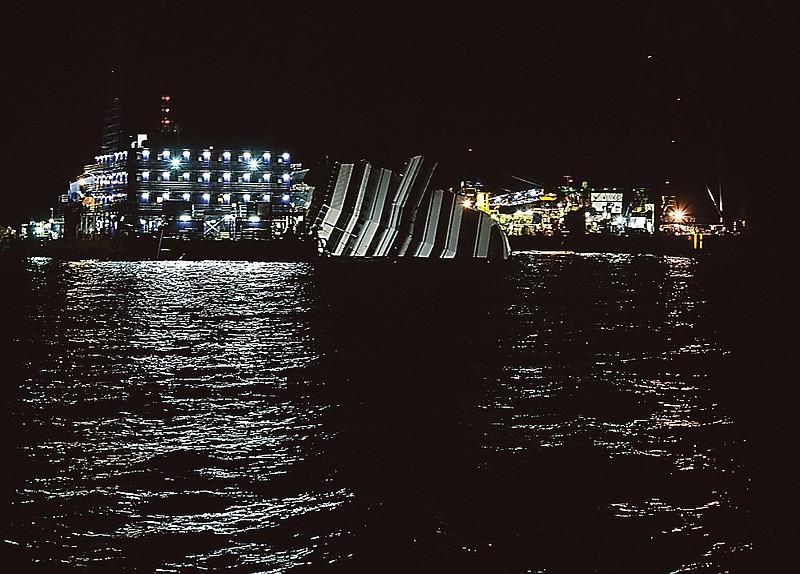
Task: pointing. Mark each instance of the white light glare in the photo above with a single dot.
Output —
(185, 217)
(254, 219)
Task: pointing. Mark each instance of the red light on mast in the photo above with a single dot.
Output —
(165, 121)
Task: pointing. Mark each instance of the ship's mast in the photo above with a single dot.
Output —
(112, 129)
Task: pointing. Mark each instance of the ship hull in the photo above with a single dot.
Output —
(153, 248)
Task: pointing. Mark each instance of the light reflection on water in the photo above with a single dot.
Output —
(232, 414)
(612, 376)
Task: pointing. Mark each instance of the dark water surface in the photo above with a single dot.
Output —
(566, 413)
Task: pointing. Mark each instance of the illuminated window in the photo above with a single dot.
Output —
(206, 176)
(206, 196)
(226, 177)
(285, 157)
(266, 176)
(267, 156)
(185, 176)
(226, 197)
(186, 154)
(145, 176)
(246, 177)
(246, 156)
(226, 156)
(246, 197)
(286, 177)
(165, 176)
(206, 155)
(165, 154)
(145, 195)
(186, 197)
(165, 195)
(145, 154)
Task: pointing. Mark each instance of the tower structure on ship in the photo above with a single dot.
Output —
(138, 185)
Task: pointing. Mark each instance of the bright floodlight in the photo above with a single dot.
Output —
(678, 215)
(176, 162)
(185, 217)
(254, 219)
(253, 164)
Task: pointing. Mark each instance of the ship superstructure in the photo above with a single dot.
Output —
(192, 193)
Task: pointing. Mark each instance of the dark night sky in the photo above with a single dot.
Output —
(537, 90)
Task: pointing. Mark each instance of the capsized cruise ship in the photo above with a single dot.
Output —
(361, 210)
(151, 197)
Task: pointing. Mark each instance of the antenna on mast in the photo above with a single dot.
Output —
(112, 130)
